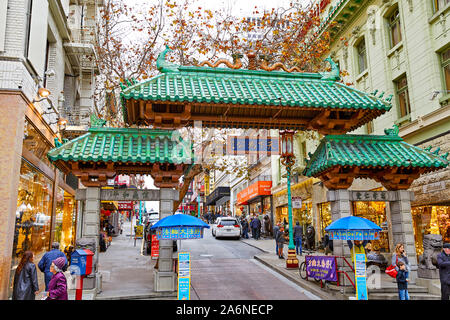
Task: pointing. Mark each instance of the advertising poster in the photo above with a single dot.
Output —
(360, 276)
(155, 247)
(184, 276)
(321, 267)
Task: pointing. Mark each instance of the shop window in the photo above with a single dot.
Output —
(439, 4)
(445, 62)
(395, 28)
(33, 215)
(325, 217)
(430, 220)
(374, 211)
(65, 219)
(35, 143)
(401, 86)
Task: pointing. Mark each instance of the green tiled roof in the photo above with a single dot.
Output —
(124, 145)
(370, 151)
(255, 87)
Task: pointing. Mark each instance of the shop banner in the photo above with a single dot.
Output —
(179, 233)
(354, 235)
(321, 267)
(296, 202)
(155, 247)
(125, 205)
(184, 276)
(360, 276)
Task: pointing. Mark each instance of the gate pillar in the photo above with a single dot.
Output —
(165, 276)
(402, 227)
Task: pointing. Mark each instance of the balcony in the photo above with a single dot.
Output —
(339, 15)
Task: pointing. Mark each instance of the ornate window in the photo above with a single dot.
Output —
(394, 28)
(439, 4)
(445, 62)
(401, 86)
(362, 55)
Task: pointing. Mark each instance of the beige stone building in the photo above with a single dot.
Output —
(399, 48)
(44, 82)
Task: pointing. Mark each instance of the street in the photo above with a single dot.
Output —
(224, 269)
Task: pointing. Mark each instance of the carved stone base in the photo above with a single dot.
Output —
(428, 273)
(292, 261)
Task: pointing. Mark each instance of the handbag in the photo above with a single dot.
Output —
(391, 271)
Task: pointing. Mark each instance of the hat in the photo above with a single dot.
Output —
(59, 262)
(446, 245)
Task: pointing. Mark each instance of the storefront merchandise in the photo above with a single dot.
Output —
(65, 219)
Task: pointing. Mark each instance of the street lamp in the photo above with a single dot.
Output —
(288, 160)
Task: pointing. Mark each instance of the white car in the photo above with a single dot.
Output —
(226, 227)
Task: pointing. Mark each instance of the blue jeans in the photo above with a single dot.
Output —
(245, 233)
(403, 294)
(276, 247)
(298, 245)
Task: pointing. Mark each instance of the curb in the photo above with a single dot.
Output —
(309, 287)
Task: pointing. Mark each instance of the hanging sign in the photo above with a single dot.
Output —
(296, 202)
(360, 276)
(184, 276)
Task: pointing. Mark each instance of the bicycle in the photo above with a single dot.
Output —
(302, 270)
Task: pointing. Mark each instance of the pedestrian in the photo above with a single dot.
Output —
(46, 261)
(402, 281)
(280, 241)
(26, 285)
(254, 226)
(244, 225)
(276, 229)
(258, 228)
(443, 262)
(400, 255)
(298, 234)
(57, 288)
(359, 248)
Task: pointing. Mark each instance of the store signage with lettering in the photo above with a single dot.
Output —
(179, 233)
(242, 145)
(184, 276)
(260, 188)
(125, 205)
(371, 196)
(129, 194)
(296, 202)
(433, 187)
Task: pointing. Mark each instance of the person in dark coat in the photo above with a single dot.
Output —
(402, 281)
(443, 262)
(46, 261)
(244, 224)
(57, 288)
(26, 285)
(276, 229)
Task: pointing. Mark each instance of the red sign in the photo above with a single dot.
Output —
(260, 188)
(125, 205)
(155, 246)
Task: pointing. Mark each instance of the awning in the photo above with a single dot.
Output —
(260, 188)
(217, 194)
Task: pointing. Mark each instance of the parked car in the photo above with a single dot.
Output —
(226, 227)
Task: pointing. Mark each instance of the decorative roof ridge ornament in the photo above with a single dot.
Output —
(393, 131)
(275, 66)
(237, 63)
(334, 74)
(96, 121)
(164, 66)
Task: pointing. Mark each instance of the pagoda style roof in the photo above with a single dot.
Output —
(387, 159)
(103, 152)
(227, 97)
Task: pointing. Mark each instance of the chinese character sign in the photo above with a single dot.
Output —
(360, 276)
(321, 267)
(354, 235)
(184, 276)
(179, 233)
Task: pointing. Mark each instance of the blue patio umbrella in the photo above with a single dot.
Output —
(353, 228)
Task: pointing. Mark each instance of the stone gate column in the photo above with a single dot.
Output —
(340, 208)
(165, 277)
(402, 227)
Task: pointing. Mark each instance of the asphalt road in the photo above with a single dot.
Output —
(224, 269)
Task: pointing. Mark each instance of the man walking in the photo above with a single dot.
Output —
(46, 262)
(276, 229)
(298, 234)
(244, 225)
(443, 260)
(254, 226)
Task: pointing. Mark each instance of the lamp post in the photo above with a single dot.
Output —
(288, 160)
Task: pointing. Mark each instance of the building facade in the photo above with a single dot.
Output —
(40, 84)
(396, 48)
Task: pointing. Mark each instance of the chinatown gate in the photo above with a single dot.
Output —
(260, 97)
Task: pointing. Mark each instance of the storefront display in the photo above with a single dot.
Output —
(375, 211)
(430, 220)
(65, 219)
(325, 217)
